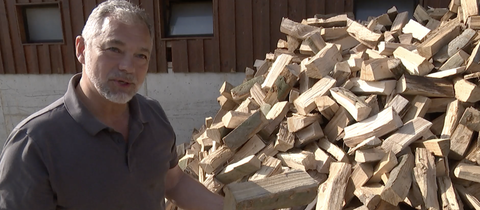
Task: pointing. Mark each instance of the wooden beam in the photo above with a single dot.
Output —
(272, 192)
(408, 133)
(331, 193)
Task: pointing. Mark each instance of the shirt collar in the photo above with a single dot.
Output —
(85, 118)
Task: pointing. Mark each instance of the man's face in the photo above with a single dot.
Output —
(116, 61)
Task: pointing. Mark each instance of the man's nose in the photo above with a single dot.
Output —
(126, 64)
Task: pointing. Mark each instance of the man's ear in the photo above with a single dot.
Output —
(80, 49)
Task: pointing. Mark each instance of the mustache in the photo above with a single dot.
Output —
(121, 75)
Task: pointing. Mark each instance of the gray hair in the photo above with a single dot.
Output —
(117, 9)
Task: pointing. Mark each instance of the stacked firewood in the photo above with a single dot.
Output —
(350, 115)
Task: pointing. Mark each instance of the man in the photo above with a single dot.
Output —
(101, 146)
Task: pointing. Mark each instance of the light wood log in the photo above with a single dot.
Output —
(315, 42)
(354, 105)
(360, 175)
(309, 134)
(276, 114)
(322, 63)
(305, 103)
(270, 166)
(277, 67)
(459, 42)
(295, 29)
(336, 125)
(459, 142)
(473, 22)
(341, 72)
(296, 122)
(439, 38)
(399, 181)
(234, 118)
(468, 172)
(331, 193)
(418, 108)
(375, 70)
(399, 22)
(439, 147)
(417, 30)
(272, 192)
(405, 38)
(332, 149)
(226, 103)
(242, 91)
(251, 147)
(216, 159)
(285, 139)
(430, 87)
(472, 201)
(369, 155)
(424, 175)
(450, 198)
(469, 8)
(452, 116)
(238, 136)
(322, 158)
(326, 106)
(213, 184)
(414, 63)
(399, 104)
(466, 91)
(471, 118)
(447, 72)
(237, 170)
(387, 48)
(366, 144)
(369, 195)
(421, 15)
(363, 34)
(385, 165)
(405, 135)
(377, 125)
(456, 60)
(298, 159)
(329, 34)
(261, 66)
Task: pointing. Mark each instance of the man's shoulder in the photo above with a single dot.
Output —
(47, 114)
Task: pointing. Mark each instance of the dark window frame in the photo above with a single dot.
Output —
(23, 24)
(166, 16)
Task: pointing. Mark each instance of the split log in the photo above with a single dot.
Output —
(238, 170)
(363, 34)
(321, 157)
(331, 193)
(467, 171)
(270, 166)
(414, 63)
(285, 139)
(417, 30)
(238, 136)
(336, 125)
(405, 135)
(298, 159)
(424, 175)
(305, 103)
(322, 63)
(326, 106)
(354, 105)
(400, 180)
(439, 38)
(271, 193)
(385, 165)
(450, 198)
(430, 87)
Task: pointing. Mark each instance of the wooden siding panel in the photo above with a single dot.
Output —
(261, 28)
(32, 59)
(161, 46)
(56, 59)
(278, 10)
(349, 6)
(195, 55)
(335, 7)
(8, 65)
(226, 28)
(2, 70)
(297, 10)
(43, 52)
(211, 56)
(180, 56)
(74, 20)
(18, 52)
(88, 6)
(149, 7)
(244, 33)
(315, 7)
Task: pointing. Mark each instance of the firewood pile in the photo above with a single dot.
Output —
(351, 115)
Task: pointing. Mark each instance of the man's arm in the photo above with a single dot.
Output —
(187, 193)
(24, 182)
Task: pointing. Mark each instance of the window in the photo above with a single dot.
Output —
(40, 23)
(365, 8)
(188, 18)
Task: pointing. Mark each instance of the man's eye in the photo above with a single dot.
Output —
(142, 56)
(113, 49)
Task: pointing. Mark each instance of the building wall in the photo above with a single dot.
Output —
(187, 98)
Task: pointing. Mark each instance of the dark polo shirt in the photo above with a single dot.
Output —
(62, 157)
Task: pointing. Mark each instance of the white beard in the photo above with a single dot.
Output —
(105, 91)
